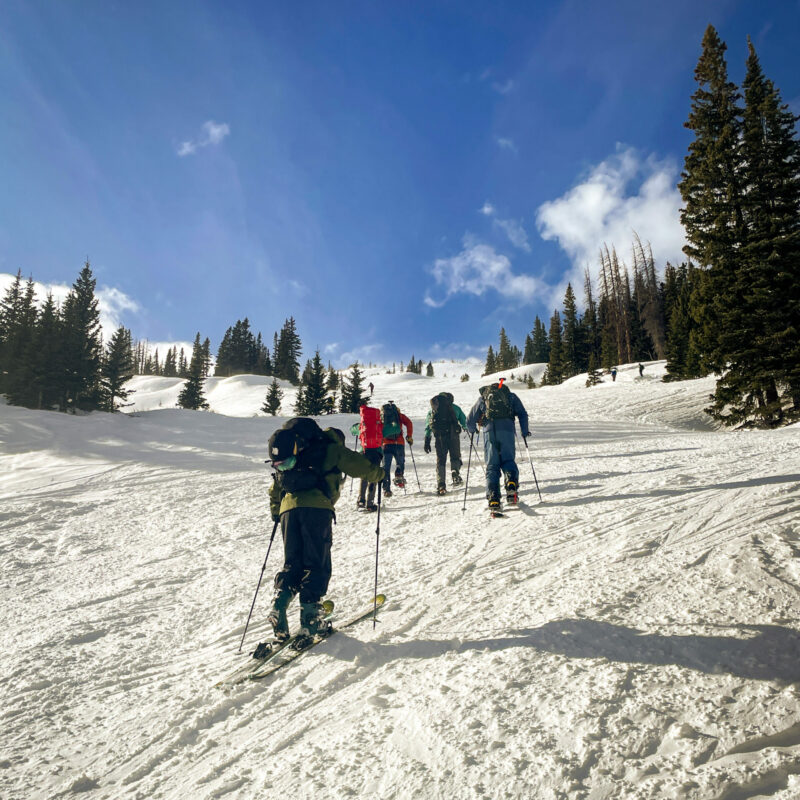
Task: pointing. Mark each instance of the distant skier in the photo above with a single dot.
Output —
(445, 421)
(641, 370)
(370, 433)
(613, 374)
(309, 464)
(495, 411)
(394, 446)
(371, 388)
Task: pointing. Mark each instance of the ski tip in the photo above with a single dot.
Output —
(380, 599)
(327, 606)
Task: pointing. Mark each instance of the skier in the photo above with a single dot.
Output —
(641, 370)
(494, 412)
(370, 434)
(309, 464)
(445, 421)
(394, 445)
(371, 388)
(613, 374)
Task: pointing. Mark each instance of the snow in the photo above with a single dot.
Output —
(636, 635)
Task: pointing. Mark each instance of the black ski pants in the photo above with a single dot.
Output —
(374, 456)
(307, 537)
(446, 443)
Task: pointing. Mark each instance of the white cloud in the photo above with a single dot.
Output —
(477, 269)
(517, 235)
(113, 303)
(212, 133)
(512, 228)
(505, 143)
(622, 195)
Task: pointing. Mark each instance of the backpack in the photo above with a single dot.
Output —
(443, 415)
(303, 438)
(390, 417)
(371, 433)
(497, 400)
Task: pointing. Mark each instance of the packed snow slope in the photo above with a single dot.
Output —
(634, 635)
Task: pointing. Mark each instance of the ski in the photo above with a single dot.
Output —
(243, 673)
(289, 655)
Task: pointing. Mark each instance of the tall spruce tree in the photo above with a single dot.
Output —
(192, 395)
(491, 362)
(711, 188)
(17, 328)
(352, 391)
(287, 352)
(541, 344)
(117, 369)
(570, 343)
(82, 344)
(555, 366)
(45, 356)
(314, 390)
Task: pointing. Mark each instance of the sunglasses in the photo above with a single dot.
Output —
(286, 464)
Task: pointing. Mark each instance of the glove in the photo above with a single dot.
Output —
(526, 434)
(409, 440)
(276, 517)
(427, 446)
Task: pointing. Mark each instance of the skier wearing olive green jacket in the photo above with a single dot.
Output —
(309, 464)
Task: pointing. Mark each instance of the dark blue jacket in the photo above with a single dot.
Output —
(479, 410)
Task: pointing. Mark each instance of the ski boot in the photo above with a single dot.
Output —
(441, 489)
(277, 615)
(494, 501)
(312, 625)
(457, 480)
(511, 493)
(371, 507)
(399, 480)
(387, 492)
(361, 503)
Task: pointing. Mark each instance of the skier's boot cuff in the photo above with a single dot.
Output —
(457, 481)
(441, 489)
(312, 620)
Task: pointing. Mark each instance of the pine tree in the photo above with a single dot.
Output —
(541, 345)
(593, 377)
(571, 344)
(82, 344)
(117, 369)
(527, 353)
(272, 402)
(192, 396)
(491, 363)
(505, 354)
(555, 367)
(712, 192)
(287, 353)
(17, 327)
(590, 326)
(352, 391)
(429, 369)
(313, 387)
(45, 356)
(332, 382)
(300, 402)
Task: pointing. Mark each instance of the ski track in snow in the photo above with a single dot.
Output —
(635, 635)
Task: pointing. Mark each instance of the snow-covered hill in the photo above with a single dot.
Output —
(636, 635)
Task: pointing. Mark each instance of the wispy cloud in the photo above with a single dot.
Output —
(112, 303)
(512, 228)
(506, 87)
(623, 194)
(479, 269)
(505, 143)
(212, 133)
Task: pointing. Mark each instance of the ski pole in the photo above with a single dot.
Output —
(410, 450)
(466, 482)
(530, 461)
(478, 456)
(355, 447)
(377, 543)
(253, 605)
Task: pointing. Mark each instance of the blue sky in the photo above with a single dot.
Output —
(401, 177)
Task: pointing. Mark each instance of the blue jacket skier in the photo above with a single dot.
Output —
(494, 412)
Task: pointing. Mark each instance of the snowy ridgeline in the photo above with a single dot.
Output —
(637, 635)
